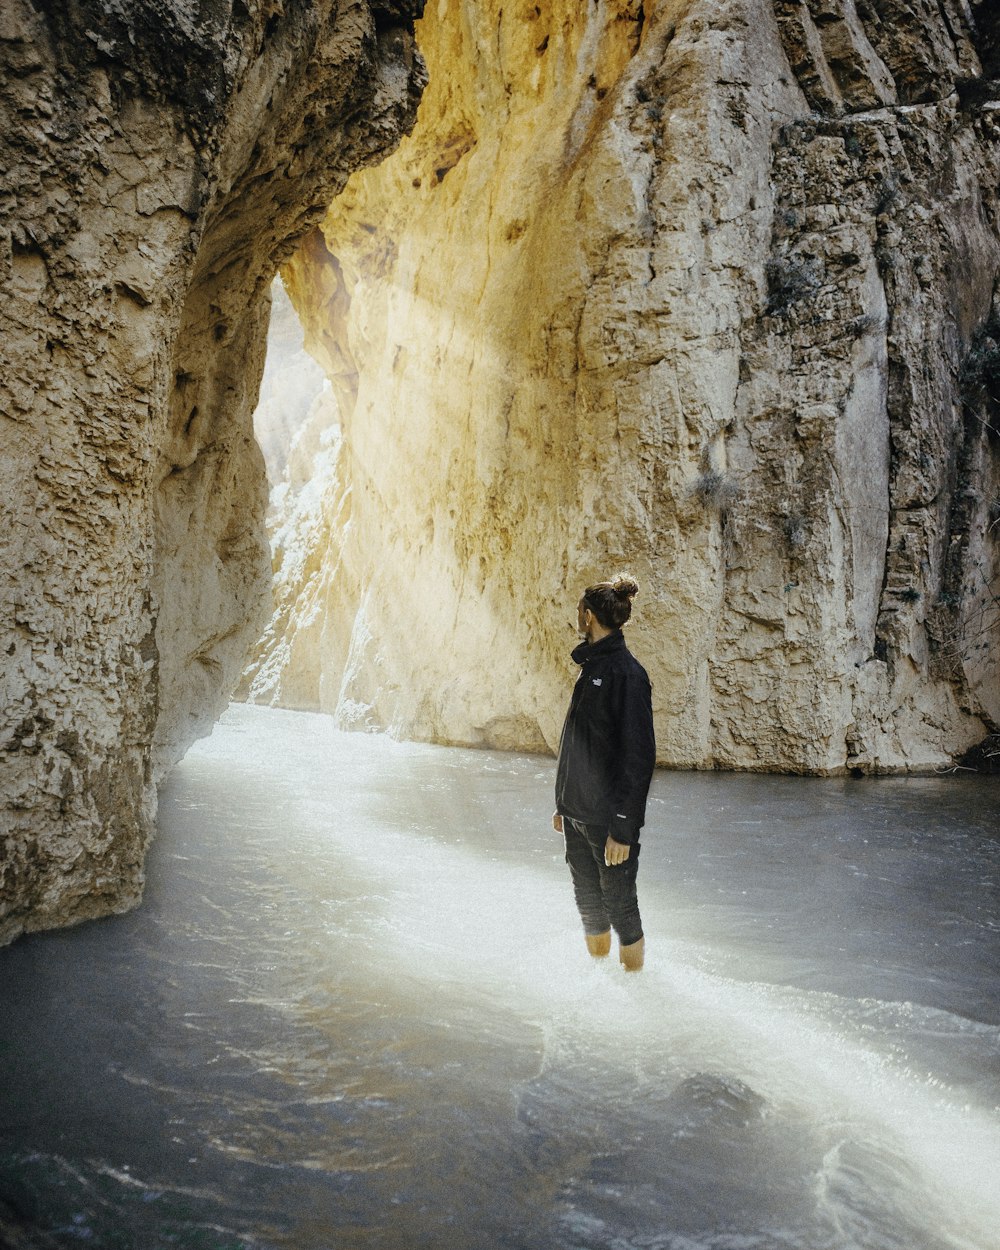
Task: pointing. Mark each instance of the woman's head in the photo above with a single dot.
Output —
(611, 602)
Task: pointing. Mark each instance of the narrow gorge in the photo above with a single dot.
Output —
(707, 288)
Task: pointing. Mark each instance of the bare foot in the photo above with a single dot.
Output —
(632, 956)
(599, 944)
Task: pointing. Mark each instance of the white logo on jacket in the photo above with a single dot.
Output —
(597, 680)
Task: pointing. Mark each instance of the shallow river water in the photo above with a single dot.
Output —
(355, 1010)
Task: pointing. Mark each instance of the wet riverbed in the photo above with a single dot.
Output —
(355, 1010)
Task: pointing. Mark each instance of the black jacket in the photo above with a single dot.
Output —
(607, 750)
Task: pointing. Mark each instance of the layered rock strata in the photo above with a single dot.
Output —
(159, 161)
(705, 289)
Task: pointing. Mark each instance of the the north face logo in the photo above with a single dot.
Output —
(596, 680)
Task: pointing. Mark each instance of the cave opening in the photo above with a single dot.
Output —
(297, 426)
(294, 391)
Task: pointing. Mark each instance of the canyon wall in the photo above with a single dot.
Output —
(159, 159)
(706, 290)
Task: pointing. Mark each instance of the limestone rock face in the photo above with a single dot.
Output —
(703, 289)
(159, 159)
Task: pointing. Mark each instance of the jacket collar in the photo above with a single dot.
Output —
(586, 651)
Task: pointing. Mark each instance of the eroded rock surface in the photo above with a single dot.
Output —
(705, 289)
(159, 160)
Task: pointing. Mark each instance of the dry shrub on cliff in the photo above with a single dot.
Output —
(789, 280)
(979, 375)
(715, 491)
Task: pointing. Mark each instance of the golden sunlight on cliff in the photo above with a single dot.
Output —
(612, 302)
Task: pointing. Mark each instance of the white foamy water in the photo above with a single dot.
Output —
(356, 1010)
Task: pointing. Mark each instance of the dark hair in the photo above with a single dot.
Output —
(611, 602)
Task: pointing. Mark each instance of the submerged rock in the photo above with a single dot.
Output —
(709, 1101)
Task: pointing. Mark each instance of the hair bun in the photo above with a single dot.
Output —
(625, 587)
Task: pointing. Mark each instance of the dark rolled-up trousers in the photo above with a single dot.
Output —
(605, 897)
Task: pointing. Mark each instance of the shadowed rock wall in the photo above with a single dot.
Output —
(705, 289)
(160, 158)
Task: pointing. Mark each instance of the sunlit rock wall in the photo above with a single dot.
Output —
(702, 289)
(158, 160)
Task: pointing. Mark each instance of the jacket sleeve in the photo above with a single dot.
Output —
(636, 758)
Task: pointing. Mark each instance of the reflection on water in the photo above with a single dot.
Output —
(355, 1010)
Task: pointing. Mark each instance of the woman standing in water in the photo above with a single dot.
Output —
(606, 757)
